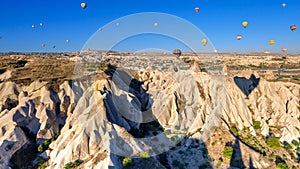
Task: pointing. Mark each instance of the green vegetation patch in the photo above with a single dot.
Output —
(234, 130)
(126, 161)
(256, 125)
(273, 142)
(72, 164)
(228, 152)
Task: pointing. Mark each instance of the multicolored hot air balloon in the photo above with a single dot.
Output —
(271, 42)
(283, 50)
(83, 5)
(204, 42)
(177, 52)
(197, 9)
(244, 24)
(239, 37)
(293, 28)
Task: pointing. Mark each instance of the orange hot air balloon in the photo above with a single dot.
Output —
(293, 28)
(271, 42)
(43, 45)
(283, 50)
(197, 9)
(83, 5)
(177, 52)
(239, 37)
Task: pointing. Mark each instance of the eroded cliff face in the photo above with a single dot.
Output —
(161, 113)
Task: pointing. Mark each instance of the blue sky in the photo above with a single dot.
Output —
(220, 20)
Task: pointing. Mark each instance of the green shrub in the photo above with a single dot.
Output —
(288, 146)
(144, 155)
(296, 143)
(40, 148)
(167, 132)
(228, 152)
(256, 125)
(234, 130)
(177, 127)
(282, 165)
(126, 161)
(273, 142)
(71, 165)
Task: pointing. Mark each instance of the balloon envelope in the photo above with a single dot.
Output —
(283, 49)
(83, 5)
(271, 42)
(293, 28)
(197, 9)
(239, 37)
(245, 24)
(204, 41)
(283, 5)
(177, 52)
(41, 24)
(43, 45)
(155, 24)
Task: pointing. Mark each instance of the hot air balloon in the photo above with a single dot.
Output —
(67, 40)
(155, 24)
(43, 45)
(41, 24)
(32, 26)
(83, 5)
(197, 9)
(245, 24)
(271, 42)
(283, 50)
(239, 37)
(177, 52)
(284, 5)
(204, 41)
(293, 28)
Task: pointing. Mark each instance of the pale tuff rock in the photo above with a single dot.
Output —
(96, 119)
(270, 75)
(6, 75)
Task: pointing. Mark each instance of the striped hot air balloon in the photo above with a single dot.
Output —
(177, 52)
(239, 37)
(293, 28)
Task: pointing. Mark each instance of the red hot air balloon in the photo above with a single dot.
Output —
(197, 9)
(293, 28)
(43, 45)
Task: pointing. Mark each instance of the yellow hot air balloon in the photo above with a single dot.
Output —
(271, 42)
(155, 24)
(83, 5)
(204, 41)
(245, 24)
